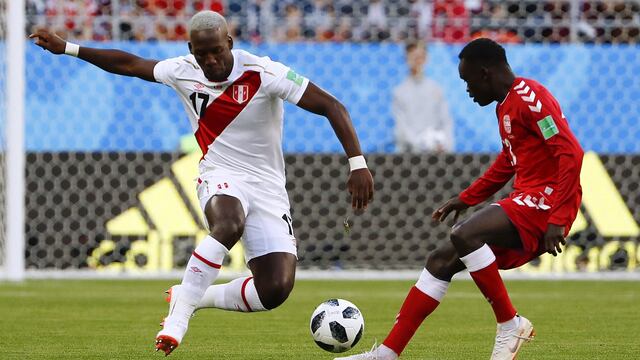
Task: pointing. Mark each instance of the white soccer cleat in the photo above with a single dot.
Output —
(175, 324)
(508, 342)
(376, 353)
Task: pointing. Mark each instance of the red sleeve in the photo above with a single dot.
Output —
(551, 125)
(496, 176)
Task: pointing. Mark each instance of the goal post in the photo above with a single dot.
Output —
(14, 174)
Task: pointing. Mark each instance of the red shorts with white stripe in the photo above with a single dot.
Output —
(530, 215)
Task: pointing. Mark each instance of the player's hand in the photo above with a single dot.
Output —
(454, 204)
(49, 41)
(553, 238)
(360, 186)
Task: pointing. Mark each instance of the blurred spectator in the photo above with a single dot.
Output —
(420, 110)
(321, 21)
(344, 30)
(451, 21)
(421, 17)
(613, 21)
(375, 24)
(292, 24)
(259, 17)
(502, 36)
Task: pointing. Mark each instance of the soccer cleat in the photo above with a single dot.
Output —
(508, 342)
(376, 353)
(166, 344)
(175, 325)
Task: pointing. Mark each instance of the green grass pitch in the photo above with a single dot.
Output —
(119, 319)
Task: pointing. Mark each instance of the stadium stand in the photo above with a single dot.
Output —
(339, 20)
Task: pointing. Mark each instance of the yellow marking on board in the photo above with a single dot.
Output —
(170, 215)
(579, 224)
(603, 202)
(128, 223)
(186, 172)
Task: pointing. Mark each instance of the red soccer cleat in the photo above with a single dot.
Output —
(166, 344)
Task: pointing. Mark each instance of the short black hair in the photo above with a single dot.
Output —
(484, 51)
(410, 45)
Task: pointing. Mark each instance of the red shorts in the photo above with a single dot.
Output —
(530, 216)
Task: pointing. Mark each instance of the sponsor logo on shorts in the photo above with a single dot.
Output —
(531, 201)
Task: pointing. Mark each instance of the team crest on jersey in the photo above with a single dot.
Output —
(506, 121)
(240, 93)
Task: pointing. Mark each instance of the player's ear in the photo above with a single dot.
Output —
(230, 40)
(484, 71)
(190, 48)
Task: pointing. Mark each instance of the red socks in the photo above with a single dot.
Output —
(420, 302)
(484, 271)
(425, 297)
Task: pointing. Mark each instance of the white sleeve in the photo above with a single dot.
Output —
(283, 82)
(165, 71)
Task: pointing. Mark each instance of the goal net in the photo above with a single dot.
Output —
(110, 160)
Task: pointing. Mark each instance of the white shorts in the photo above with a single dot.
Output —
(268, 226)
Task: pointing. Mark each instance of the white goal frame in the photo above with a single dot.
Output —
(14, 262)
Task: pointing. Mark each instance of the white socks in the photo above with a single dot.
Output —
(479, 259)
(202, 269)
(510, 324)
(237, 295)
(385, 353)
(432, 286)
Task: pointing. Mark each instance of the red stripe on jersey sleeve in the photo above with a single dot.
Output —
(225, 108)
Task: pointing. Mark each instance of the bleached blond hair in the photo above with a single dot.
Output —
(207, 20)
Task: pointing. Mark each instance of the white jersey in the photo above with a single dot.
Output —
(238, 122)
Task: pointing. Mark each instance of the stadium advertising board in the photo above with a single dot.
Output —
(138, 212)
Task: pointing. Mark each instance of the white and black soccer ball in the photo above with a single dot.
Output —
(337, 325)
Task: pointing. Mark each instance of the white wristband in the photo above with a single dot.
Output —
(71, 49)
(357, 162)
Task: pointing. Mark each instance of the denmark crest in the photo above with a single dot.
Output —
(240, 93)
(506, 121)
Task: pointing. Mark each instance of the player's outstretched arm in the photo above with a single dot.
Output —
(113, 61)
(360, 182)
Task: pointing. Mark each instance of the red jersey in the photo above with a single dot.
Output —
(540, 149)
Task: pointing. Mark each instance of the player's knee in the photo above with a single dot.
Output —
(275, 292)
(459, 236)
(228, 230)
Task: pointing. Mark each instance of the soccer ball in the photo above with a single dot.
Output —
(337, 325)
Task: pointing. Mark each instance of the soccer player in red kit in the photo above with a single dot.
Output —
(539, 148)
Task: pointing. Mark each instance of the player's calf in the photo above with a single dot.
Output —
(242, 295)
(273, 290)
(246, 295)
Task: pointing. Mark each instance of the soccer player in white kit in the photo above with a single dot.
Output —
(234, 100)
